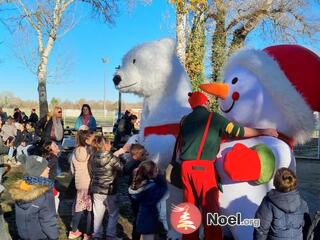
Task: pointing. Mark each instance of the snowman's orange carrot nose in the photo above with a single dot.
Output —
(219, 90)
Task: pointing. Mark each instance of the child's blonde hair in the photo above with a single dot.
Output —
(285, 180)
(81, 138)
(99, 143)
(53, 112)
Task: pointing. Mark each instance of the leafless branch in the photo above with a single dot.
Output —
(106, 9)
(28, 14)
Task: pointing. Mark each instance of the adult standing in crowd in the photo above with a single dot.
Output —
(126, 115)
(8, 130)
(17, 115)
(24, 118)
(3, 117)
(33, 117)
(125, 130)
(86, 118)
(201, 132)
(50, 127)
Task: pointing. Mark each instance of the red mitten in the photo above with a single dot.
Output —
(242, 164)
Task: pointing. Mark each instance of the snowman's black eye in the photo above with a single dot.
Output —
(234, 81)
(134, 61)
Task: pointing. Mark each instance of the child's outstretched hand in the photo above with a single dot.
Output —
(270, 132)
(126, 147)
(119, 152)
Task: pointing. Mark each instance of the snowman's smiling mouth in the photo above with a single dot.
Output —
(235, 97)
(229, 109)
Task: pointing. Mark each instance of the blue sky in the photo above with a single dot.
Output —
(87, 43)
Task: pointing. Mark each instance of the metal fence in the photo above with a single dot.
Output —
(103, 118)
(311, 149)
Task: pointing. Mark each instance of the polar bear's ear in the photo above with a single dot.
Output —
(168, 42)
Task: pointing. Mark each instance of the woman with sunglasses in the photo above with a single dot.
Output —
(50, 127)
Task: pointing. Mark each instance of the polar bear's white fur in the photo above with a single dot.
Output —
(153, 71)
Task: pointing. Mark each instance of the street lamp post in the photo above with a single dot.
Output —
(105, 61)
(119, 106)
(119, 99)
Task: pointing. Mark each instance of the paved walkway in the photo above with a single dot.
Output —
(308, 172)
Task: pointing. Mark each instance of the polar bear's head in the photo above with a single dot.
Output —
(146, 68)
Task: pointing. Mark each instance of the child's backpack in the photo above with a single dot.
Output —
(116, 125)
(314, 230)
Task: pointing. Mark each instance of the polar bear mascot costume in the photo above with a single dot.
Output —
(153, 71)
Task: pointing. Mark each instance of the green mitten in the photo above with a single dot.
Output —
(267, 161)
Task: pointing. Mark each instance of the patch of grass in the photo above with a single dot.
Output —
(15, 174)
(67, 195)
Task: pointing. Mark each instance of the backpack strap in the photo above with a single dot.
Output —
(204, 137)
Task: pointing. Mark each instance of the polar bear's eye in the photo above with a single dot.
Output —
(134, 61)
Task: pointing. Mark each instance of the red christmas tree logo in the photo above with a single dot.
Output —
(185, 218)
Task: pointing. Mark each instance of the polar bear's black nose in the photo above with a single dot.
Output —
(116, 80)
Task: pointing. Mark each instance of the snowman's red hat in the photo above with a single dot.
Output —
(291, 76)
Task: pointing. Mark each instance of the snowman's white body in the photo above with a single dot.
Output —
(255, 108)
(245, 197)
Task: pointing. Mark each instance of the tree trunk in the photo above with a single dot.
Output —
(195, 52)
(181, 19)
(42, 86)
(219, 44)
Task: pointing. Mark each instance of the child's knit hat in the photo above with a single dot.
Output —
(33, 165)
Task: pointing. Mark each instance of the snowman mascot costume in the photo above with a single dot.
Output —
(277, 87)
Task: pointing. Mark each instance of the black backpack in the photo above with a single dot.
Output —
(314, 230)
(115, 126)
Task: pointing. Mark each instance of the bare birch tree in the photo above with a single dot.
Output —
(191, 37)
(230, 23)
(195, 52)
(181, 29)
(48, 21)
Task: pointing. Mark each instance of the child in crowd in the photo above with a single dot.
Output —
(282, 211)
(4, 232)
(50, 153)
(79, 168)
(23, 139)
(138, 154)
(4, 148)
(4, 169)
(35, 212)
(105, 168)
(8, 130)
(147, 188)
